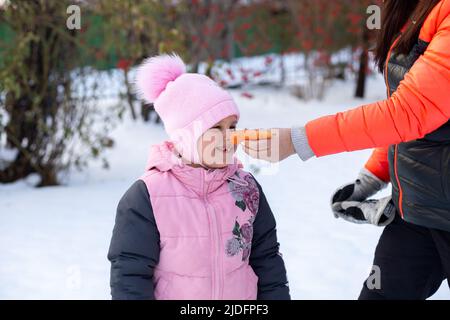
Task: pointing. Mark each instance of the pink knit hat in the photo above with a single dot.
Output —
(188, 103)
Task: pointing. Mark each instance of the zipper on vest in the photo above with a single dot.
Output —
(215, 235)
(400, 192)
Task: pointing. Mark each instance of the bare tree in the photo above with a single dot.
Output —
(49, 118)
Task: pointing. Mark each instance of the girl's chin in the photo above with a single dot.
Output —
(216, 166)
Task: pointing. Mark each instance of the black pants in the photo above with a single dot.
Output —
(412, 262)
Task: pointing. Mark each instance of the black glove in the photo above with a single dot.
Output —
(378, 212)
(349, 201)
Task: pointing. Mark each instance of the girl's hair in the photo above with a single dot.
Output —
(395, 15)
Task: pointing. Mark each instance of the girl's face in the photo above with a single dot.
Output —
(215, 147)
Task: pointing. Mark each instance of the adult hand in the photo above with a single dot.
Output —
(276, 149)
(378, 212)
(365, 186)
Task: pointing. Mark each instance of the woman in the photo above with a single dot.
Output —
(410, 132)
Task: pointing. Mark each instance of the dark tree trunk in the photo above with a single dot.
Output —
(130, 98)
(363, 64)
(18, 169)
(147, 109)
(48, 178)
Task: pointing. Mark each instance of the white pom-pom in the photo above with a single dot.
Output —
(155, 73)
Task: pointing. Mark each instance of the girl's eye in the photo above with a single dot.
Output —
(219, 128)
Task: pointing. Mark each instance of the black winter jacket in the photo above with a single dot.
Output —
(420, 168)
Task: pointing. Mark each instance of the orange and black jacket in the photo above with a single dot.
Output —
(410, 130)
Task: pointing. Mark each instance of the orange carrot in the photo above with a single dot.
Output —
(250, 134)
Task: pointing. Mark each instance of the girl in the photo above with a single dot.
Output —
(195, 225)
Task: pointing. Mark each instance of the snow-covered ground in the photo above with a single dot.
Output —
(54, 241)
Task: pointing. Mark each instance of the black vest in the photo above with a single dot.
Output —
(420, 169)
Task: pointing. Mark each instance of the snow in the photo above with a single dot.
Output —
(54, 240)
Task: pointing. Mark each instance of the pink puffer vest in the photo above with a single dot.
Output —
(205, 220)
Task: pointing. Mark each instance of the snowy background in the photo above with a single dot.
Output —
(54, 240)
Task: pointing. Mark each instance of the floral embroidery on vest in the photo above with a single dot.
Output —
(246, 195)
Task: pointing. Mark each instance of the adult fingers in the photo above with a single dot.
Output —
(257, 145)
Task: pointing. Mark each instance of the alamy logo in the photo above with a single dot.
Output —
(73, 22)
(374, 279)
(374, 20)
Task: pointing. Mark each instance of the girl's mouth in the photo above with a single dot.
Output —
(225, 148)
(222, 149)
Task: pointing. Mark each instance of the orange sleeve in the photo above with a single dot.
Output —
(420, 105)
(378, 164)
